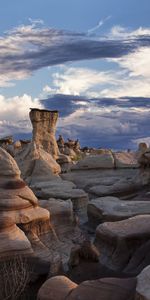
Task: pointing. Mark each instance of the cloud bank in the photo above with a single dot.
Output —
(26, 49)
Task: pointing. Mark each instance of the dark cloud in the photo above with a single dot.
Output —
(27, 48)
(126, 120)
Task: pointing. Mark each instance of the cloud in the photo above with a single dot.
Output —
(77, 81)
(100, 24)
(102, 122)
(26, 49)
(14, 114)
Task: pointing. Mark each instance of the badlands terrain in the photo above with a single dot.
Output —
(74, 223)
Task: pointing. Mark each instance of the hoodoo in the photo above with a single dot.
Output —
(44, 128)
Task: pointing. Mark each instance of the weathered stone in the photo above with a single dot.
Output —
(44, 127)
(119, 241)
(121, 188)
(103, 161)
(18, 207)
(112, 209)
(36, 165)
(62, 216)
(104, 289)
(143, 285)
(125, 160)
(58, 287)
(61, 288)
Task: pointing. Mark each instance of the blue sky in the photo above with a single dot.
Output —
(76, 56)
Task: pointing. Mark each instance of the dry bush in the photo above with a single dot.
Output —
(14, 277)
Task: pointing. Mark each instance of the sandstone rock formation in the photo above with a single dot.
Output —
(119, 189)
(121, 242)
(36, 164)
(56, 288)
(62, 216)
(19, 209)
(61, 189)
(108, 160)
(44, 127)
(111, 209)
(143, 285)
(61, 288)
(103, 161)
(125, 160)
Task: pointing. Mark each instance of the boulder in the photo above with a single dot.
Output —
(104, 289)
(61, 288)
(36, 165)
(113, 209)
(118, 189)
(62, 216)
(143, 285)
(125, 160)
(119, 241)
(58, 287)
(102, 161)
(78, 197)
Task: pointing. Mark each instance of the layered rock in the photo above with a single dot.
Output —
(36, 164)
(112, 209)
(62, 216)
(62, 288)
(61, 189)
(103, 161)
(44, 127)
(18, 209)
(108, 160)
(120, 188)
(122, 243)
(125, 160)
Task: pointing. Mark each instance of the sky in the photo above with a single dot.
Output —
(90, 60)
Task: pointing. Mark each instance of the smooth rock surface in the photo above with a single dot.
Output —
(113, 209)
(119, 241)
(56, 288)
(103, 161)
(125, 160)
(143, 285)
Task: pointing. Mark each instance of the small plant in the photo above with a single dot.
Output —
(14, 277)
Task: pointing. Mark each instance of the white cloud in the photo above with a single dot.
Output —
(14, 113)
(78, 81)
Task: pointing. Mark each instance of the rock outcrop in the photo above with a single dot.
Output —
(108, 160)
(44, 127)
(103, 161)
(36, 164)
(22, 221)
(61, 288)
(111, 209)
(143, 285)
(124, 245)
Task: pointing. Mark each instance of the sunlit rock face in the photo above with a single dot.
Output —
(61, 288)
(124, 245)
(21, 218)
(36, 164)
(44, 127)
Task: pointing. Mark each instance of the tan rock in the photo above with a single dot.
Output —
(119, 241)
(102, 161)
(125, 160)
(36, 164)
(58, 287)
(44, 127)
(112, 209)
